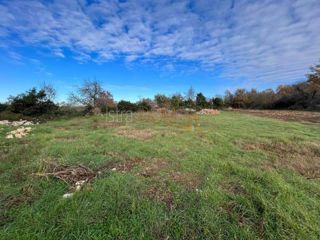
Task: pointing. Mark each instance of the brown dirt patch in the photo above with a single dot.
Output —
(234, 188)
(247, 146)
(125, 166)
(286, 115)
(159, 192)
(152, 167)
(303, 158)
(140, 134)
(190, 180)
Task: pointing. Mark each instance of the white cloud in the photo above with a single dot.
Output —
(262, 40)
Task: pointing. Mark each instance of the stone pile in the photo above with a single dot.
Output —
(23, 128)
(16, 123)
(18, 133)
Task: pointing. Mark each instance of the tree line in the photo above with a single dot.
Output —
(92, 98)
(300, 96)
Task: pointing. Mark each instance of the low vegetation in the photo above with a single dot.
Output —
(161, 176)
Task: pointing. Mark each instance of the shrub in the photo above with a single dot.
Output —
(176, 102)
(217, 102)
(144, 105)
(3, 107)
(125, 106)
(32, 103)
(201, 101)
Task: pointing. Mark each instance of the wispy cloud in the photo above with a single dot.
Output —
(262, 40)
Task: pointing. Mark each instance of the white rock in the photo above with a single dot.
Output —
(10, 136)
(80, 183)
(4, 122)
(67, 195)
(20, 130)
(18, 135)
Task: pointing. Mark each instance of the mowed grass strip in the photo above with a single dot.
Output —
(230, 176)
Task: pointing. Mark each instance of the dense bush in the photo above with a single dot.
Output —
(162, 101)
(201, 102)
(217, 102)
(176, 102)
(145, 105)
(3, 107)
(32, 103)
(125, 106)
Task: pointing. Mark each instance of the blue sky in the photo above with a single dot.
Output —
(140, 48)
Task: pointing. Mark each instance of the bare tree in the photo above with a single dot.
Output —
(91, 94)
(190, 94)
(49, 90)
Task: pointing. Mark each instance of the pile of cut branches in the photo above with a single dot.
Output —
(71, 175)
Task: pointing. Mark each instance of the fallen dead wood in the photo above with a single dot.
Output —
(71, 175)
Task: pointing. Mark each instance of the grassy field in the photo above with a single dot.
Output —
(231, 176)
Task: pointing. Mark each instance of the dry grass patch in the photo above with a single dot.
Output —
(302, 158)
(106, 124)
(140, 134)
(286, 115)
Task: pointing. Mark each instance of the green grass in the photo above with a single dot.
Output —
(234, 176)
